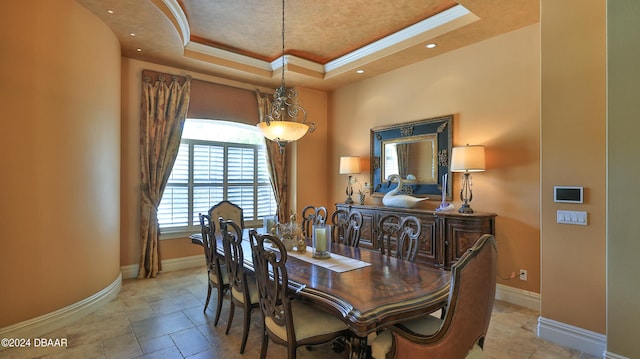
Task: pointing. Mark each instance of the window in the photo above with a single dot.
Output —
(217, 161)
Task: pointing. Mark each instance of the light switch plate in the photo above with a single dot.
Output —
(572, 217)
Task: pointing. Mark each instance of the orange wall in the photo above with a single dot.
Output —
(573, 110)
(60, 141)
(493, 90)
(310, 155)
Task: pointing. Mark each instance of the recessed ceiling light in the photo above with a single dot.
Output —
(139, 49)
(110, 11)
(360, 71)
(132, 34)
(430, 46)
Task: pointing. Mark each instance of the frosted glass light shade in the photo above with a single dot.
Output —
(467, 159)
(349, 165)
(283, 131)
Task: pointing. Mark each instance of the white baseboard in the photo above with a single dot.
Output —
(608, 355)
(55, 320)
(573, 337)
(168, 265)
(519, 297)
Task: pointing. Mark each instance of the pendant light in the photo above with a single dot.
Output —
(287, 120)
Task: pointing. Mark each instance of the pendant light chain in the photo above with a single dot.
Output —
(282, 58)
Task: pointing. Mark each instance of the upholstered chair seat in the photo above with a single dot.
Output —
(254, 296)
(308, 322)
(428, 325)
(223, 274)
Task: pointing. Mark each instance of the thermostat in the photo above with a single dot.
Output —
(568, 194)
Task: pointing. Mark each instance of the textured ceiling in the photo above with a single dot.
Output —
(313, 29)
(325, 42)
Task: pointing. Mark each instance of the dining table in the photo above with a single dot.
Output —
(364, 288)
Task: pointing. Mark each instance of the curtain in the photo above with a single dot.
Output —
(162, 116)
(402, 151)
(276, 162)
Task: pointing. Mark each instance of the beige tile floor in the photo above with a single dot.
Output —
(163, 318)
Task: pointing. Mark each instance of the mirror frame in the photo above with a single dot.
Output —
(439, 126)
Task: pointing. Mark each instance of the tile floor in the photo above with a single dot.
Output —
(163, 318)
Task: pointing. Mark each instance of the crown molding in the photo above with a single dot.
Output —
(439, 24)
(430, 28)
(173, 12)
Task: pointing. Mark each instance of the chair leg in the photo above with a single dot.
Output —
(357, 347)
(206, 303)
(348, 347)
(265, 342)
(232, 309)
(291, 351)
(245, 328)
(218, 306)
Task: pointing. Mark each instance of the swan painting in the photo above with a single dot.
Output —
(393, 199)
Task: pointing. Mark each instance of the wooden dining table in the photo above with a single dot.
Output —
(383, 293)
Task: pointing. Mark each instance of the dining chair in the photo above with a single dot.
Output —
(287, 321)
(338, 221)
(347, 227)
(312, 215)
(462, 330)
(244, 291)
(217, 275)
(399, 236)
(227, 210)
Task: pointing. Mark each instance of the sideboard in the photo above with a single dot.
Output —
(445, 235)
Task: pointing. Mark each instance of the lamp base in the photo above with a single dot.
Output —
(349, 192)
(465, 209)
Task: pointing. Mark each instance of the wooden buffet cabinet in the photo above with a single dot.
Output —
(445, 235)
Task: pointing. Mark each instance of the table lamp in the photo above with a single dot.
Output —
(467, 159)
(349, 165)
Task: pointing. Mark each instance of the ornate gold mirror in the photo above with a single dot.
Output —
(417, 151)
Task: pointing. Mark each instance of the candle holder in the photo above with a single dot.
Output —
(321, 241)
(269, 224)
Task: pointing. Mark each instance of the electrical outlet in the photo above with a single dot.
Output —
(523, 274)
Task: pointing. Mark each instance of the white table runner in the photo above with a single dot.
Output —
(336, 263)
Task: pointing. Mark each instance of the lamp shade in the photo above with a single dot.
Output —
(283, 131)
(467, 159)
(349, 165)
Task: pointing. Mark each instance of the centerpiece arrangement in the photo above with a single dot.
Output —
(291, 235)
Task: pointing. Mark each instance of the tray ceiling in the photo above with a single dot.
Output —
(325, 41)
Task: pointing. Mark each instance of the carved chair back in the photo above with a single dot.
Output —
(312, 215)
(399, 236)
(273, 281)
(347, 227)
(243, 293)
(217, 277)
